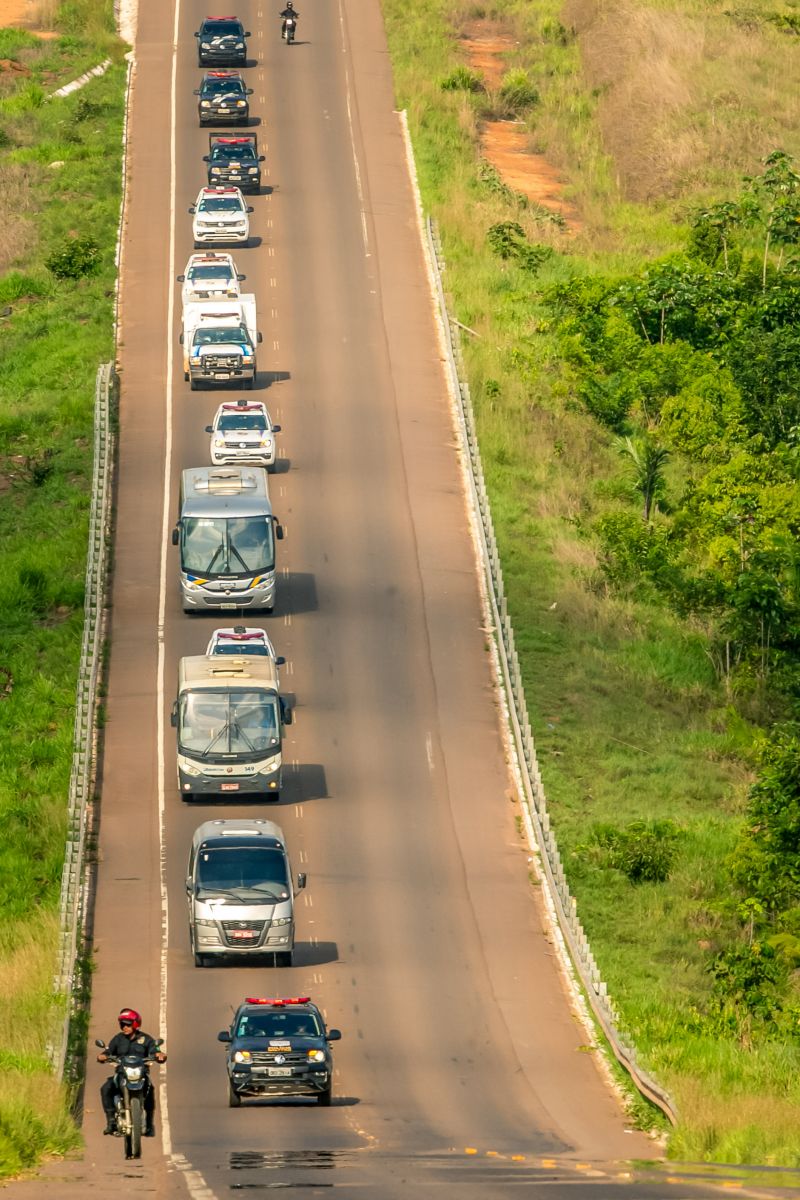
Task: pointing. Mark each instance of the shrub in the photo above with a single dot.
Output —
(74, 258)
(462, 79)
(518, 93)
(507, 240)
(644, 851)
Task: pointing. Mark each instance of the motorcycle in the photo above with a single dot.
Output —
(132, 1078)
(289, 26)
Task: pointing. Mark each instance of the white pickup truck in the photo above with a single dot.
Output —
(219, 341)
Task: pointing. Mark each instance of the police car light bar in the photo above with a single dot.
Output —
(277, 1003)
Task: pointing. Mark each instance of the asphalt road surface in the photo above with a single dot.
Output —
(462, 1069)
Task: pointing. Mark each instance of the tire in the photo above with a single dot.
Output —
(200, 960)
(134, 1140)
(193, 385)
(234, 1099)
(247, 384)
(324, 1098)
(283, 958)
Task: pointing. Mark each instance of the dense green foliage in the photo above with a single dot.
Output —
(60, 161)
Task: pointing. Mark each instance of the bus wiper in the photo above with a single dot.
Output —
(226, 728)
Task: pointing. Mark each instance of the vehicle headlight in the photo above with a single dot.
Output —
(247, 358)
(195, 360)
(218, 443)
(242, 1056)
(268, 770)
(241, 103)
(205, 923)
(205, 45)
(216, 170)
(317, 1056)
(266, 443)
(252, 170)
(133, 1073)
(240, 45)
(205, 104)
(190, 768)
(281, 920)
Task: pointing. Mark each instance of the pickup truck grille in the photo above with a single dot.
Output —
(225, 362)
(292, 1058)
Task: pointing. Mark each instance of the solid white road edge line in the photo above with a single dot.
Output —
(348, 91)
(196, 1185)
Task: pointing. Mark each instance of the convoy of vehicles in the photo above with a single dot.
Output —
(279, 1047)
(219, 341)
(240, 894)
(229, 715)
(234, 161)
(223, 99)
(226, 532)
(243, 431)
(221, 217)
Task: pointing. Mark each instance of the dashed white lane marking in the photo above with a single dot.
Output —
(429, 750)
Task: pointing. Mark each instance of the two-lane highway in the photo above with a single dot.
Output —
(461, 1065)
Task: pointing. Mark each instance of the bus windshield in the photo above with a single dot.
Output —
(226, 724)
(231, 546)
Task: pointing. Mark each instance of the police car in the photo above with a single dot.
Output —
(242, 640)
(223, 99)
(220, 217)
(279, 1047)
(242, 431)
(208, 276)
(222, 40)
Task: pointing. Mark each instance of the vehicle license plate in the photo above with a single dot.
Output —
(229, 606)
(280, 1071)
(229, 787)
(222, 374)
(243, 934)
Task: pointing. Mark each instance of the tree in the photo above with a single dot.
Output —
(647, 461)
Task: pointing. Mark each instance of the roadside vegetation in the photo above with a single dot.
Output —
(635, 376)
(60, 162)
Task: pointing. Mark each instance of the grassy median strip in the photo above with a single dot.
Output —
(60, 163)
(648, 747)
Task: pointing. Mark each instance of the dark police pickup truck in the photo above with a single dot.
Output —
(279, 1048)
(221, 41)
(233, 161)
(223, 98)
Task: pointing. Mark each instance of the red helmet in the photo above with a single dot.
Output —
(129, 1016)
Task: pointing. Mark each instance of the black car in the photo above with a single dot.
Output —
(222, 40)
(223, 98)
(279, 1048)
(234, 161)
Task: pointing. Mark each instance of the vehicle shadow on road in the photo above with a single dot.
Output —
(271, 377)
(304, 782)
(297, 593)
(314, 954)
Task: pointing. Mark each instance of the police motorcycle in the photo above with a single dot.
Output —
(132, 1078)
(289, 29)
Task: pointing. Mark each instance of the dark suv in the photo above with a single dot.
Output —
(279, 1048)
(223, 99)
(221, 40)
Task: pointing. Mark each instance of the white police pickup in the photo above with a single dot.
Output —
(210, 275)
(221, 217)
(243, 431)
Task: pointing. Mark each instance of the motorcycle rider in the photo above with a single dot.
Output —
(289, 11)
(131, 1039)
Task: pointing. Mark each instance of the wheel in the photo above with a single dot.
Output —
(193, 385)
(187, 797)
(134, 1140)
(200, 960)
(234, 1099)
(248, 384)
(324, 1098)
(283, 958)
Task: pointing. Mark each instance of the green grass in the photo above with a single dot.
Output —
(629, 717)
(51, 345)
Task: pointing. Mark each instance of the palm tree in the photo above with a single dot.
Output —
(647, 461)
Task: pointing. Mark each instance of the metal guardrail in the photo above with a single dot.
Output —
(72, 909)
(534, 798)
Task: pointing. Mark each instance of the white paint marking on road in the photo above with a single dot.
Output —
(275, 344)
(429, 750)
(298, 811)
(348, 91)
(303, 856)
(274, 311)
(195, 1183)
(271, 251)
(273, 282)
(287, 620)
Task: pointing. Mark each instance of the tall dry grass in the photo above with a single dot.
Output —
(18, 235)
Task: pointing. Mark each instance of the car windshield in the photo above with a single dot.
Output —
(248, 648)
(222, 87)
(225, 723)
(222, 29)
(239, 151)
(278, 1025)
(205, 274)
(217, 336)
(220, 204)
(231, 546)
(239, 421)
(258, 869)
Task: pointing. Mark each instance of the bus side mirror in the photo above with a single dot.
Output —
(301, 881)
(173, 716)
(278, 531)
(175, 536)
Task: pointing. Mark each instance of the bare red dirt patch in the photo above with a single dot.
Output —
(23, 14)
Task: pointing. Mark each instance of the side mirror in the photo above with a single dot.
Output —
(248, 34)
(249, 209)
(259, 338)
(280, 661)
(182, 278)
(206, 158)
(334, 1035)
(276, 428)
(278, 531)
(192, 210)
(241, 278)
(159, 1041)
(249, 92)
(197, 35)
(209, 428)
(224, 1035)
(261, 158)
(175, 536)
(196, 92)
(180, 338)
(287, 715)
(100, 1043)
(301, 881)
(173, 716)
